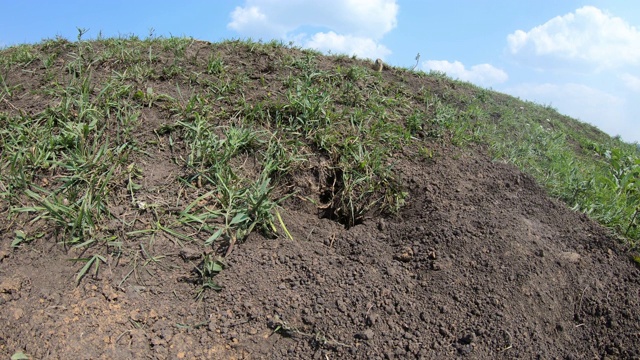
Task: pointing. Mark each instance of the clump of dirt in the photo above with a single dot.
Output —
(479, 263)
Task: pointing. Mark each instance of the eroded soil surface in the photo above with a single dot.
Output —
(480, 263)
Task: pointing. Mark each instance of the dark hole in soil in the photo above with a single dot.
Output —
(331, 202)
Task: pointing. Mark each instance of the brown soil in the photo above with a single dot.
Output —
(480, 263)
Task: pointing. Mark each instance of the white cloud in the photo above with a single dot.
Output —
(632, 82)
(242, 17)
(588, 35)
(604, 110)
(356, 26)
(347, 44)
(252, 20)
(482, 74)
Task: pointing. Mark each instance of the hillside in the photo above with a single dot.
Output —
(173, 198)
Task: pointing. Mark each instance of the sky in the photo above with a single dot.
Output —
(579, 57)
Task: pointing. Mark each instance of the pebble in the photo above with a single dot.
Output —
(570, 257)
(213, 325)
(444, 332)
(372, 319)
(18, 313)
(366, 335)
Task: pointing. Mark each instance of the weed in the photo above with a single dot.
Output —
(415, 122)
(283, 328)
(215, 65)
(209, 267)
(94, 261)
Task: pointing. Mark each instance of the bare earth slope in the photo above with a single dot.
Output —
(479, 263)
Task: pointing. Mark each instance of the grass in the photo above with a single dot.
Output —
(237, 137)
(591, 172)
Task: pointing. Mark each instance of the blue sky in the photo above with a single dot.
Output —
(580, 57)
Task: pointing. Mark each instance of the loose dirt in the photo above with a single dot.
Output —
(479, 263)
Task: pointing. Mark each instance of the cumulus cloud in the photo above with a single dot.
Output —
(351, 26)
(482, 74)
(588, 35)
(252, 20)
(630, 81)
(347, 44)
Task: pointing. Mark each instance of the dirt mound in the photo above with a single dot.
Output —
(479, 262)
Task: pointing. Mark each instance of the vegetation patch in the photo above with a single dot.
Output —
(75, 164)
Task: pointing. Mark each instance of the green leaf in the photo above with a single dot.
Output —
(20, 237)
(87, 266)
(213, 237)
(211, 285)
(239, 218)
(215, 267)
(138, 95)
(134, 186)
(20, 356)
(84, 269)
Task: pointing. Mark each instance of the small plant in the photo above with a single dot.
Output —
(215, 65)
(426, 153)
(415, 123)
(283, 328)
(94, 261)
(208, 269)
(636, 259)
(243, 209)
(355, 73)
(417, 62)
(81, 32)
